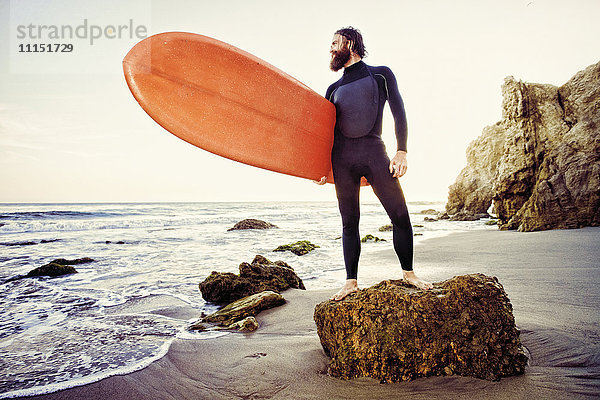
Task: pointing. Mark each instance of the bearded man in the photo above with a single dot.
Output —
(358, 151)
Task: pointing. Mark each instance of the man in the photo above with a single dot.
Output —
(358, 150)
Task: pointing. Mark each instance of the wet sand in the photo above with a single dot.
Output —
(552, 279)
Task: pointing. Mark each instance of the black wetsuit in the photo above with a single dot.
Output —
(356, 154)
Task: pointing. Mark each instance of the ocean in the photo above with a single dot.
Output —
(62, 332)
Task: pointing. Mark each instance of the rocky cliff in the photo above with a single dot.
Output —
(539, 165)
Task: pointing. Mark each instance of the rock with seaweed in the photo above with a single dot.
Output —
(299, 248)
(371, 238)
(52, 269)
(258, 276)
(248, 306)
(394, 332)
(57, 267)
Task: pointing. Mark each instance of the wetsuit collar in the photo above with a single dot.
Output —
(354, 67)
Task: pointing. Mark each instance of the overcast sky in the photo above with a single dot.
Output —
(70, 130)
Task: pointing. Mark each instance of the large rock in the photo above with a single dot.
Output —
(394, 332)
(260, 275)
(540, 165)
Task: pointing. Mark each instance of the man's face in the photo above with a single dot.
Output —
(340, 53)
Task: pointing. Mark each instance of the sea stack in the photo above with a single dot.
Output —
(540, 164)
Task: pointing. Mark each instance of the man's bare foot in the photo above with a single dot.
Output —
(410, 277)
(350, 286)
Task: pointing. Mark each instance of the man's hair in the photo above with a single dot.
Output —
(354, 35)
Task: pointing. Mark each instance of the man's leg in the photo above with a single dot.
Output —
(347, 188)
(390, 194)
(391, 197)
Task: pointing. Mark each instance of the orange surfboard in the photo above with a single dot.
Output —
(231, 103)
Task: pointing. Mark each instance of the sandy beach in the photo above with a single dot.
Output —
(551, 278)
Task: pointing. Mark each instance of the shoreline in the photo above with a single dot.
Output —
(284, 358)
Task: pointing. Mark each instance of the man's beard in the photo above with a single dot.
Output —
(339, 59)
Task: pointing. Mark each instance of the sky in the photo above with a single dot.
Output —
(70, 130)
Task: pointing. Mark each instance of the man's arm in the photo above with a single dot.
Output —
(398, 163)
(329, 91)
(397, 108)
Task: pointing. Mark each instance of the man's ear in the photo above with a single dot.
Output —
(350, 45)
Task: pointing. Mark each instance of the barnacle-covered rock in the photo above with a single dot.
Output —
(395, 332)
(260, 275)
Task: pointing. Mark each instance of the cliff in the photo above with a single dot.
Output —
(539, 165)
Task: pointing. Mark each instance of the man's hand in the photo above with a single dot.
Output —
(322, 181)
(398, 164)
